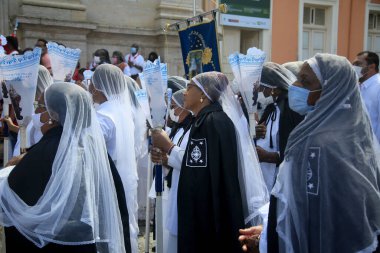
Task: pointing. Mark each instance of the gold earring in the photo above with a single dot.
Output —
(201, 100)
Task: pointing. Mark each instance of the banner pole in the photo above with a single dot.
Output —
(194, 8)
(147, 210)
(23, 140)
(6, 135)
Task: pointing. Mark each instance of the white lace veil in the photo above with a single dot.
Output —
(252, 186)
(328, 185)
(139, 119)
(79, 204)
(43, 81)
(110, 80)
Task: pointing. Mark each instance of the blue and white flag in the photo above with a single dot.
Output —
(200, 52)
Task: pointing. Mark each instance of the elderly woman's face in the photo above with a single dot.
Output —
(192, 96)
(308, 80)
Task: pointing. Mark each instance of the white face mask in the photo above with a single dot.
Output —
(264, 101)
(96, 59)
(37, 124)
(172, 116)
(358, 71)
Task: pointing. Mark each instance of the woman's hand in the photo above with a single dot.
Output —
(266, 156)
(158, 157)
(15, 160)
(261, 131)
(249, 238)
(161, 140)
(11, 126)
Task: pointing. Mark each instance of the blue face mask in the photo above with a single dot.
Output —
(298, 100)
(133, 50)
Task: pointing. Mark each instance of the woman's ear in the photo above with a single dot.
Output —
(276, 92)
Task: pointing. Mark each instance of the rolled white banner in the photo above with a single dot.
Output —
(63, 61)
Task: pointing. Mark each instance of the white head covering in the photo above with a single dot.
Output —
(294, 67)
(80, 193)
(177, 83)
(276, 76)
(178, 98)
(315, 67)
(253, 190)
(43, 81)
(110, 80)
(328, 186)
(139, 119)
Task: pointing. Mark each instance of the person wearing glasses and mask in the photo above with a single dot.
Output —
(277, 119)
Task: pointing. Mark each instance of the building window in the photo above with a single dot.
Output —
(314, 35)
(373, 41)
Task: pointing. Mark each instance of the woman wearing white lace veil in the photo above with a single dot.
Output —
(61, 196)
(252, 185)
(34, 134)
(109, 89)
(326, 197)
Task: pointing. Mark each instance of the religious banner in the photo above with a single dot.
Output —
(20, 73)
(63, 61)
(247, 72)
(3, 42)
(200, 49)
(154, 80)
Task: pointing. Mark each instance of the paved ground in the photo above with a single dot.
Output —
(142, 238)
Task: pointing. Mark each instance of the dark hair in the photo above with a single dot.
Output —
(13, 42)
(104, 55)
(371, 58)
(154, 55)
(81, 71)
(136, 46)
(43, 40)
(26, 50)
(118, 55)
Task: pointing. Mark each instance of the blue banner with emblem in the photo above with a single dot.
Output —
(200, 49)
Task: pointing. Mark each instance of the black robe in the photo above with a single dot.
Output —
(29, 179)
(210, 211)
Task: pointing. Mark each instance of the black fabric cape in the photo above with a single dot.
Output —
(210, 211)
(29, 179)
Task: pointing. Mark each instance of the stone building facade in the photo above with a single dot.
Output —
(94, 24)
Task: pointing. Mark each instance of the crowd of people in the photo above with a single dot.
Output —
(309, 182)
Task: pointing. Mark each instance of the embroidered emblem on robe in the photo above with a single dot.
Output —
(312, 182)
(197, 153)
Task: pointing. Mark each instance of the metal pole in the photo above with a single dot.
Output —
(194, 8)
(147, 210)
(6, 134)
